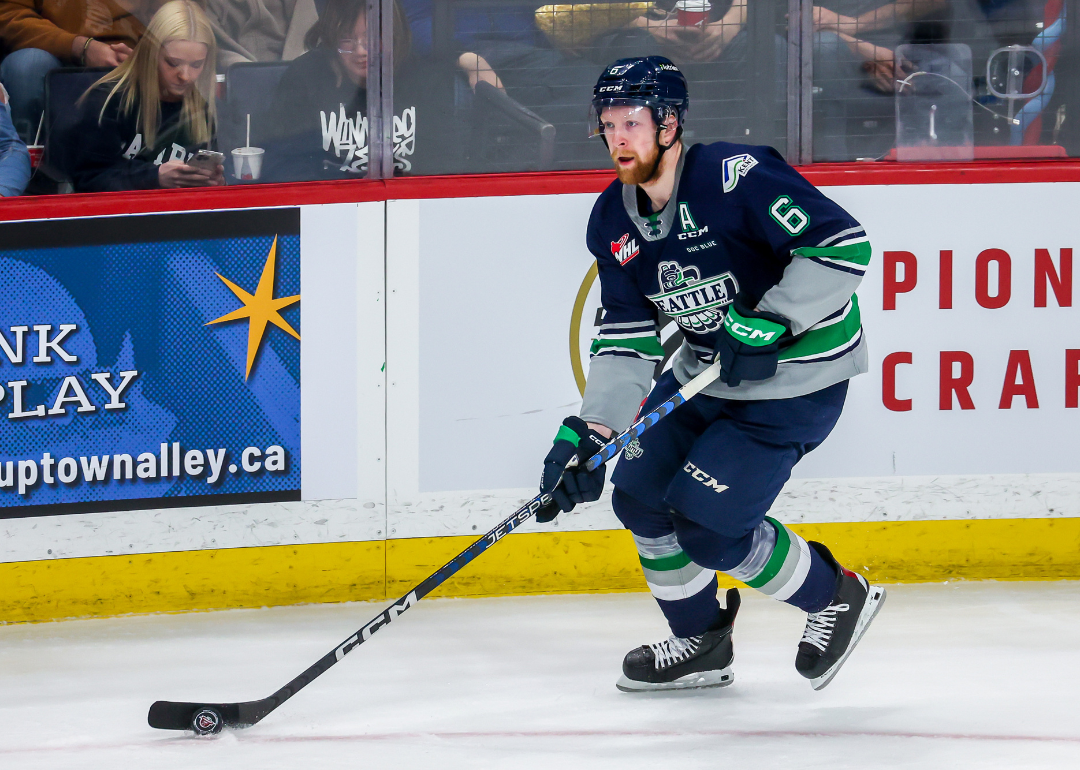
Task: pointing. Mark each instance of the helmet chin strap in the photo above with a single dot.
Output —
(663, 149)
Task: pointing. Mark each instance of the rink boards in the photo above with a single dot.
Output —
(443, 339)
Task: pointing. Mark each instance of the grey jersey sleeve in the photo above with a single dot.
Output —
(616, 387)
(819, 280)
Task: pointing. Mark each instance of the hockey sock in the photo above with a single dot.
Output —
(685, 591)
(782, 565)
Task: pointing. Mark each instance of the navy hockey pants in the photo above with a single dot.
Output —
(694, 490)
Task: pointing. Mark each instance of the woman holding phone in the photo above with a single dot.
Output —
(139, 126)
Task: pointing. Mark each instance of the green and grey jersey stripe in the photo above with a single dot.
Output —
(819, 281)
(634, 339)
(670, 573)
(824, 355)
(826, 338)
(852, 305)
(643, 346)
(638, 325)
(777, 563)
(842, 236)
(854, 254)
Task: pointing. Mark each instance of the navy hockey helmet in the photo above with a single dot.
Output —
(649, 81)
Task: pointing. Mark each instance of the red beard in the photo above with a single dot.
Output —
(641, 171)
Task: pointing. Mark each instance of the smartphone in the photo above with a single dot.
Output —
(206, 159)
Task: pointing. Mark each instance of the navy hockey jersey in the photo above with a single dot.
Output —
(739, 219)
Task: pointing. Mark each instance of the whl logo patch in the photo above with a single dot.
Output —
(688, 225)
(624, 249)
(633, 450)
(699, 475)
(695, 303)
(735, 168)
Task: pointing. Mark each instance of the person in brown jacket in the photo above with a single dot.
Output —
(260, 30)
(41, 35)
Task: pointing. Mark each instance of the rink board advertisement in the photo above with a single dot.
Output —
(446, 340)
(149, 362)
(972, 328)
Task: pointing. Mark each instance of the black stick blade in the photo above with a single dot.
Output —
(168, 715)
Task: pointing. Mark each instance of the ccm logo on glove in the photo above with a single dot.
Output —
(564, 476)
(748, 347)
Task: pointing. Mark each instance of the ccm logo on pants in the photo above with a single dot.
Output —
(699, 475)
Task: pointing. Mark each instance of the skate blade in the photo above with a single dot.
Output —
(869, 611)
(698, 681)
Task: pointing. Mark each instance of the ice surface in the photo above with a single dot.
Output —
(962, 675)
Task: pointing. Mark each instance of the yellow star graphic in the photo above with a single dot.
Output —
(259, 308)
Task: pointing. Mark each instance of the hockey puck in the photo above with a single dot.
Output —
(207, 721)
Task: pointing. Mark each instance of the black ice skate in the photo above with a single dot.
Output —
(683, 664)
(832, 634)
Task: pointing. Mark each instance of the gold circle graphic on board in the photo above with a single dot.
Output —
(575, 327)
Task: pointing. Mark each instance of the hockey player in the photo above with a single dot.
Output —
(759, 270)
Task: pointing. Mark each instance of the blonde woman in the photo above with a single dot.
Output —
(137, 127)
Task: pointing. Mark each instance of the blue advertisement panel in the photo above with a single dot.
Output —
(149, 361)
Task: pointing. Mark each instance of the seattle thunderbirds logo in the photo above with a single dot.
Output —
(696, 304)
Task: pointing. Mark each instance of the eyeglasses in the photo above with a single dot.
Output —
(352, 46)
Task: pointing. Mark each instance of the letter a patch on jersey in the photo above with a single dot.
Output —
(735, 168)
(624, 249)
(686, 219)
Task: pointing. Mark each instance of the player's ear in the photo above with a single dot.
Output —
(667, 134)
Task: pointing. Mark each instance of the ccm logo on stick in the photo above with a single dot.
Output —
(391, 613)
(699, 475)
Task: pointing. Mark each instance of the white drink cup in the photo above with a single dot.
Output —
(693, 13)
(247, 162)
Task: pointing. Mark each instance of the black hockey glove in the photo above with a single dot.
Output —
(748, 347)
(571, 485)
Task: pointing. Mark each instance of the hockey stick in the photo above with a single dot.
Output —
(207, 718)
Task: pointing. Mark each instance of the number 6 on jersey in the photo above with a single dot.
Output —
(788, 216)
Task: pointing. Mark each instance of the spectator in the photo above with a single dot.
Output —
(42, 35)
(136, 127)
(717, 57)
(693, 44)
(260, 30)
(854, 60)
(855, 66)
(870, 30)
(472, 27)
(318, 129)
(14, 158)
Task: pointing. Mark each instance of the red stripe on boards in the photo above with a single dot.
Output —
(486, 185)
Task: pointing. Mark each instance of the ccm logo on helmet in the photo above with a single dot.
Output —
(609, 88)
(699, 475)
(747, 332)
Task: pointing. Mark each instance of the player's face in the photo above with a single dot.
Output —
(632, 141)
(631, 137)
